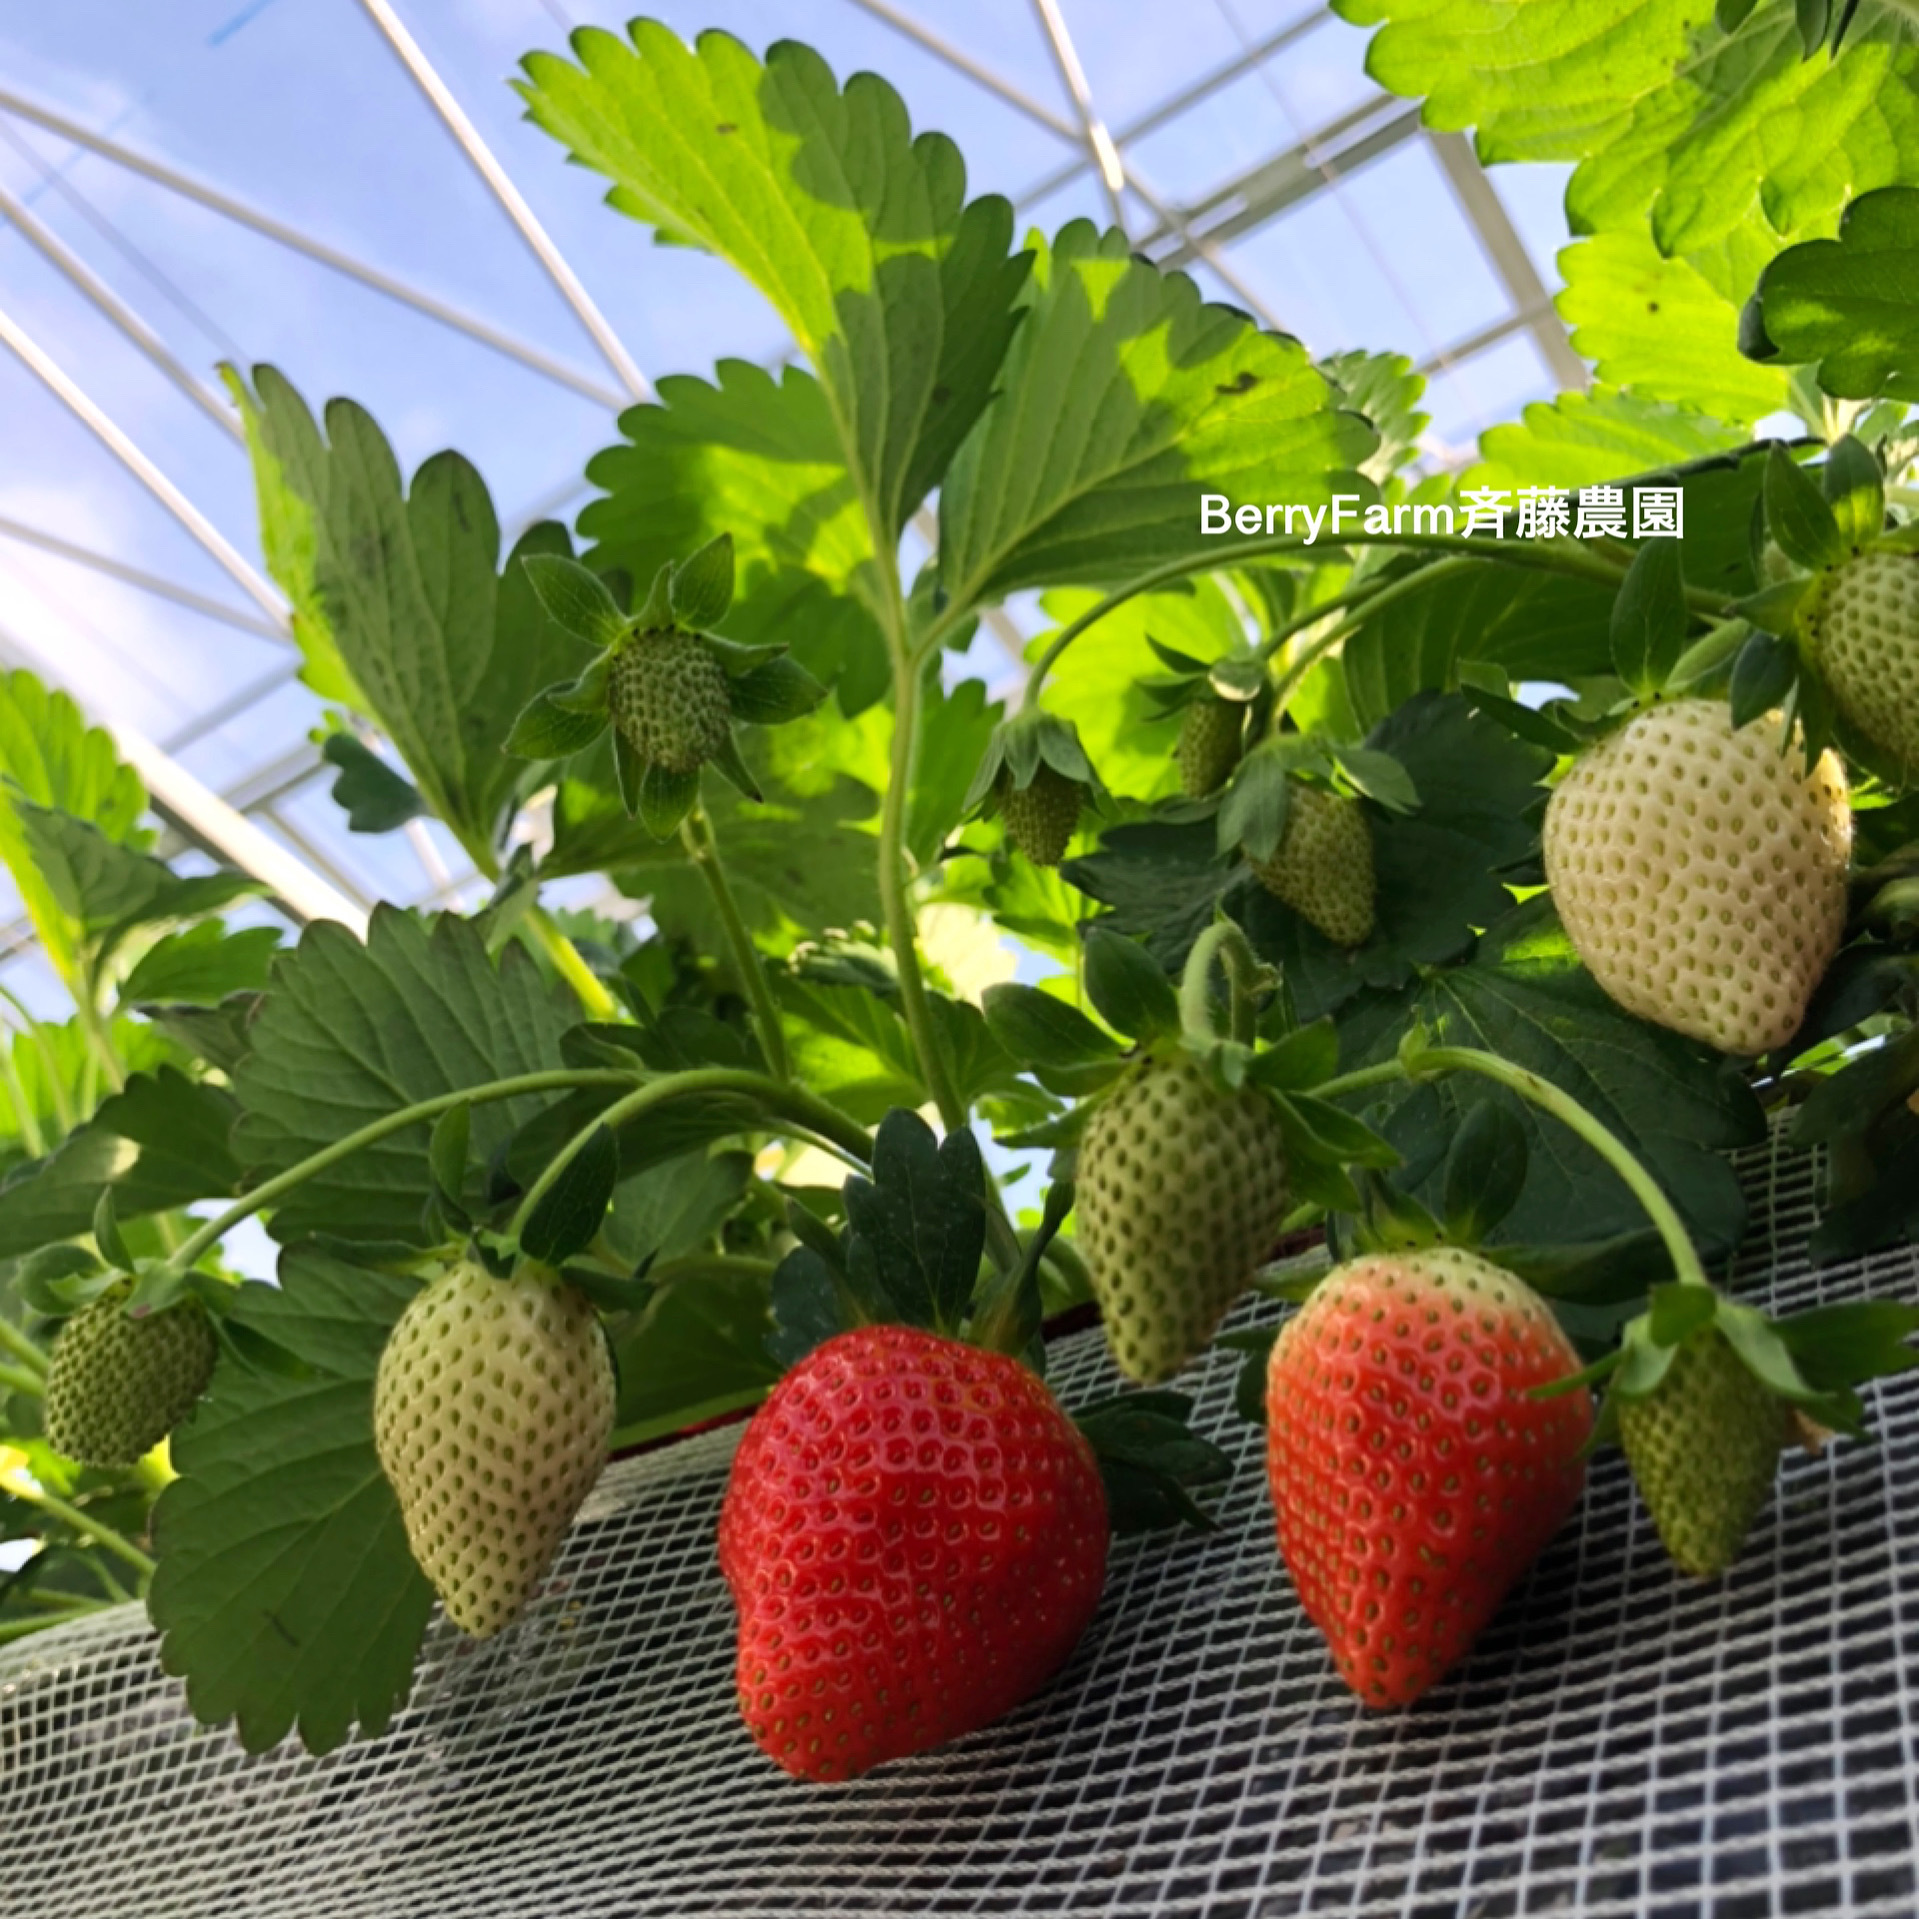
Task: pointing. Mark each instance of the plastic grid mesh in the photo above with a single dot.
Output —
(1621, 1742)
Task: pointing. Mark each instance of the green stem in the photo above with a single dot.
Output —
(696, 835)
(116, 1543)
(781, 1096)
(1550, 556)
(11, 1629)
(17, 1379)
(63, 1113)
(49, 1601)
(588, 988)
(1359, 1079)
(696, 1266)
(901, 931)
(22, 1346)
(26, 1122)
(1222, 941)
(99, 1038)
(559, 1080)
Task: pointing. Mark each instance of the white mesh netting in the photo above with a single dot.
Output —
(1621, 1742)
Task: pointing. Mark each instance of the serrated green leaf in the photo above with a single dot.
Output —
(1585, 439)
(1122, 396)
(202, 964)
(374, 798)
(1128, 987)
(1852, 303)
(444, 648)
(898, 292)
(576, 598)
(759, 459)
(286, 1595)
(347, 1032)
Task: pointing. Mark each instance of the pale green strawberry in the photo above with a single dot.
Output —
(1181, 1193)
(1209, 743)
(1323, 865)
(1040, 817)
(667, 693)
(491, 1412)
(117, 1386)
(1704, 1449)
(1865, 632)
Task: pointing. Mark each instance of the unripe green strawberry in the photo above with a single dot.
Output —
(1323, 865)
(1701, 873)
(1704, 1449)
(491, 1412)
(117, 1386)
(1209, 742)
(1414, 1474)
(1040, 818)
(1182, 1190)
(1866, 643)
(667, 694)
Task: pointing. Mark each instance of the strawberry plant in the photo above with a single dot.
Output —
(1409, 918)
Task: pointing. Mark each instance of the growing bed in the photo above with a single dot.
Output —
(1621, 1742)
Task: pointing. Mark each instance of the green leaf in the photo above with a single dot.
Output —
(374, 798)
(1675, 1310)
(447, 1148)
(1525, 996)
(202, 964)
(1585, 439)
(1253, 813)
(675, 1207)
(1385, 389)
(1797, 515)
(758, 459)
(444, 650)
(547, 730)
(217, 1034)
(696, 1352)
(1851, 1341)
(1485, 1172)
(667, 795)
(569, 1213)
(51, 757)
(772, 694)
(576, 598)
(161, 1141)
(1855, 489)
(286, 1594)
(918, 1225)
(348, 1032)
(1650, 617)
(1852, 303)
(1122, 397)
(1300, 1060)
(1128, 986)
(702, 586)
(1040, 1029)
(897, 292)
(1719, 135)
(1764, 671)
(1664, 328)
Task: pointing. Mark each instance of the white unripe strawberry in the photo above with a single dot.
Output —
(491, 1412)
(1701, 873)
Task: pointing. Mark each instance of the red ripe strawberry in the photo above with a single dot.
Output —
(915, 1536)
(1413, 1477)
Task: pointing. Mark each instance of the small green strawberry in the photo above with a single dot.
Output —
(1041, 817)
(1209, 744)
(1700, 872)
(1414, 1474)
(667, 693)
(1323, 865)
(1865, 637)
(1704, 1449)
(1181, 1193)
(491, 1412)
(117, 1386)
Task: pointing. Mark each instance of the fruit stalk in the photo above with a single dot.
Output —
(558, 1080)
(790, 1101)
(21, 1346)
(587, 986)
(17, 1379)
(1224, 942)
(91, 1531)
(702, 848)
